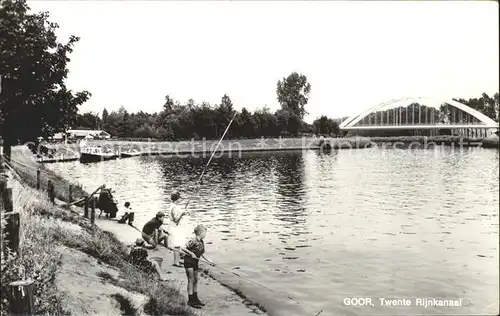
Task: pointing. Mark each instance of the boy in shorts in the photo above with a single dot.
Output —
(195, 248)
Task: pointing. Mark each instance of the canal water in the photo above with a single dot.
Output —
(320, 228)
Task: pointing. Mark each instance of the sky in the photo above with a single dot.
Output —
(355, 54)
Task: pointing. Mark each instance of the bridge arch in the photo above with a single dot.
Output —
(418, 114)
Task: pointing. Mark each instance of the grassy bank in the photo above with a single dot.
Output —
(43, 230)
(164, 298)
(25, 165)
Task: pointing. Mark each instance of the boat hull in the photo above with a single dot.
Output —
(86, 157)
(491, 141)
(490, 144)
(128, 155)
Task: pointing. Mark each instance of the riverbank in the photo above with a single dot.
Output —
(437, 140)
(217, 285)
(222, 298)
(79, 268)
(204, 148)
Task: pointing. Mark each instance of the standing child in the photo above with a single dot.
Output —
(195, 248)
(178, 227)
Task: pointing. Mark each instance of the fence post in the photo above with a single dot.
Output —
(70, 193)
(7, 198)
(21, 297)
(38, 179)
(50, 192)
(2, 170)
(12, 231)
(86, 208)
(3, 187)
(92, 213)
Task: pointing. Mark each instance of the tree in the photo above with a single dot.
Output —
(325, 126)
(191, 104)
(487, 105)
(293, 93)
(124, 128)
(247, 124)
(282, 119)
(496, 100)
(104, 116)
(34, 100)
(223, 115)
(88, 120)
(145, 131)
(203, 119)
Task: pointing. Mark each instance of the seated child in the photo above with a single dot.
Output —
(139, 257)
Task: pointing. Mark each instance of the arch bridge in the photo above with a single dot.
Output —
(422, 116)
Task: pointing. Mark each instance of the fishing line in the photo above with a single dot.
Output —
(213, 153)
(265, 287)
(300, 304)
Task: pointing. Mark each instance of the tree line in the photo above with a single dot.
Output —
(191, 120)
(487, 105)
(179, 121)
(35, 102)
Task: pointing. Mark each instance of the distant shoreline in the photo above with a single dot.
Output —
(203, 148)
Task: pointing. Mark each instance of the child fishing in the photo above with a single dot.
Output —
(195, 248)
(154, 225)
(178, 227)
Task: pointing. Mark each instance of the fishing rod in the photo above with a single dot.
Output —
(216, 265)
(213, 153)
(211, 263)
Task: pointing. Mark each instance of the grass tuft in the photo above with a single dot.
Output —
(105, 276)
(125, 305)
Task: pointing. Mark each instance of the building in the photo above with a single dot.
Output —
(419, 116)
(87, 134)
(57, 137)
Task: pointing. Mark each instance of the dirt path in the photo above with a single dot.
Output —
(86, 293)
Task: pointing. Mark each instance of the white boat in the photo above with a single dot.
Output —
(130, 153)
(95, 153)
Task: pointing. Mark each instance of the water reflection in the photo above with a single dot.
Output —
(290, 170)
(375, 221)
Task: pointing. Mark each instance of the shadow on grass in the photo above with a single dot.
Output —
(125, 305)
